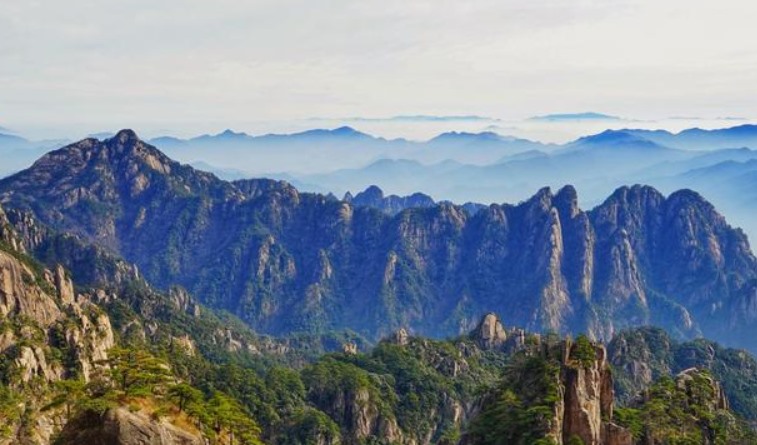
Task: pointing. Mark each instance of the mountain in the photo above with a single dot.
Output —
(467, 140)
(574, 117)
(700, 139)
(286, 261)
(374, 197)
(595, 164)
(730, 184)
(613, 139)
(701, 160)
(402, 175)
(336, 149)
(392, 204)
(228, 174)
(613, 156)
(464, 167)
(18, 153)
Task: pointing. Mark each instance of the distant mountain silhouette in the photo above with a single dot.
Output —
(574, 117)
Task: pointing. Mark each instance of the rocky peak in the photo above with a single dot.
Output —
(589, 397)
(372, 194)
(400, 337)
(541, 200)
(490, 333)
(566, 200)
(374, 197)
(125, 137)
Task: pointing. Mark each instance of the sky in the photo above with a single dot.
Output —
(186, 67)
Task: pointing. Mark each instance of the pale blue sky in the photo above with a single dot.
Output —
(191, 66)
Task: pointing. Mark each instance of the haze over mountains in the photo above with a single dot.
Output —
(483, 167)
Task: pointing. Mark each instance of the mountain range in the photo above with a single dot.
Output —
(595, 165)
(286, 261)
(467, 167)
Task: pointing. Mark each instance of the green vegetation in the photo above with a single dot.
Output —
(654, 349)
(520, 409)
(583, 352)
(145, 383)
(686, 410)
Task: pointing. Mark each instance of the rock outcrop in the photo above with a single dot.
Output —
(22, 292)
(374, 197)
(490, 333)
(588, 401)
(687, 377)
(358, 413)
(121, 427)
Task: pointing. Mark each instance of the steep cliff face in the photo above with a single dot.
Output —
(490, 333)
(358, 413)
(589, 400)
(286, 261)
(39, 304)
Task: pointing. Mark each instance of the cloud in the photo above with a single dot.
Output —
(191, 64)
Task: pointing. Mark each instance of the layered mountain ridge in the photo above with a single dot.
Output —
(286, 261)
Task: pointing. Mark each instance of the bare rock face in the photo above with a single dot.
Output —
(349, 348)
(363, 419)
(8, 235)
(490, 333)
(90, 338)
(41, 303)
(613, 434)
(20, 296)
(121, 427)
(185, 344)
(64, 286)
(183, 301)
(32, 363)
(401, 337)
(588, 401)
